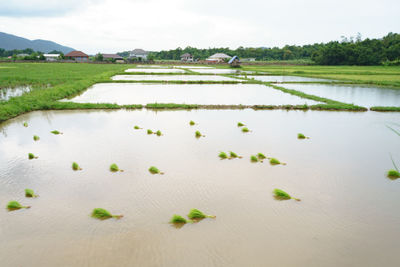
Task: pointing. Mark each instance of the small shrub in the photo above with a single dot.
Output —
(31, 156)
(15, 205)
(149, 131)
(155, 170)
(36, 138)
(25, 124)
(253, 158)
(103, 214)
(393, 174)
(76, 167)
(239, 124)
(114, 168)
(282, 195)
(30, 193)
(178, 219)
(223, 155)
(191, 123)
(195, 214)
(56, 132)
(245, 130)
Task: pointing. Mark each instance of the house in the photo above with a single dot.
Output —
(218, 57)
(250, 59)
(113, 57)
(234, 62)
(77, 56)
(187, 57)
(51, 57)
(138, 54)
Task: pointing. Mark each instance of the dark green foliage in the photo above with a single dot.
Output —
(195, 214)
(15, 205)
(36, 138)
(30, 193)
(253, 158)
(31, 156)
(223, 155)
(245, 130)
(239, 124)
(282, 195)
(76, 167)
(103, 214)
(178, 219)
(301, 136)
(393, 174)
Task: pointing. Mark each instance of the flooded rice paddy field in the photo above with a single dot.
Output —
(156, 70)
(173, 78)
(348, 207)
(359, 95)
(206, 94)
(215, 71)
(282, 79)
(7, 93)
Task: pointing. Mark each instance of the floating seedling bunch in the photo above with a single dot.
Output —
(36, 138)
(31, 156)
(245, 130)
(103, 214)
(232, 155)
(15, 205)
(178, 219)
(159, 133)
(114, 168)
(56, 132)
(261, 156)
(25, 124)
(76, 167)
(194, 215)
(191, 123)
(155, 170)
(302, 136)
(223, 155)
(274, 161)
(149, 131)
(282, 195)
(30, 193)
(393, 174)
(240, 124)
(137, 127)
(253, 158)
(198, 134)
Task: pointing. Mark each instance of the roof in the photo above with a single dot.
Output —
(51, 55)
(233, 59)
(139, 51)
(186, 55)
(113, 56)
(76, 54)
(219, 55)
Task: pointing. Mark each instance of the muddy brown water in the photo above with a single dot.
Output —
(207, 94)
(348, 214)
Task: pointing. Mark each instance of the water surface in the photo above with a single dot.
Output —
(359, 95)
(347, 217)
(207, 94)
(156, 70)
(173, 78)
(7, 93)
(282, 78)
(216, 71)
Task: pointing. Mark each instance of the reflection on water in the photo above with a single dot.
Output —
(282, 79)
(156, 70)
(333, 225)
(216, 71)
(207, 94)
(358, 95)
(7, 93)
(173, 78)
(193, 67)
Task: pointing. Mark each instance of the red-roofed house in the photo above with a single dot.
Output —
(77, 56)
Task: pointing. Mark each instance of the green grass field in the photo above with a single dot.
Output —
(54, 81)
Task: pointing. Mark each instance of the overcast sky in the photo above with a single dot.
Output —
(110, 26)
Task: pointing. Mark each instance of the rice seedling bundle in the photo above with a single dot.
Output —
(253, 158)
(275, 161)
(223, 155)
(36, 138)
(197, 214)
(191, 123)
(15, 205)
(149, 131)
(245, 130)
(155, 170)
(103, 214)
(261, 156)
(31, 156)
(198, 134)
(136, 127)
(282, 195)
(56, 132)
(158, 133)
(240, 124)
(393, 174)
(178, 219)
(114, 168)
(76, 167)
(233, 155)
(25, 124)
(30, 193)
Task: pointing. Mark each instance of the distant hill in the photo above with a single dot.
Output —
(10, 42)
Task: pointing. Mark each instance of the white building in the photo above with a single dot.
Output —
(218, 57)
(139, 54)
(51, 57)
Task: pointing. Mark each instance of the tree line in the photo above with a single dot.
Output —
(349, 51)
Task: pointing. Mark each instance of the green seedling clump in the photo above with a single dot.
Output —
(233, 155)
(302, 136)
(245, 130)
(14, 205)
(136, 127)
(239, 124)
(275, 161)
(198, 134)
(282, 195)
(253, 158)
(149, 131)
(155, 170)
(393, 174)
(195, 214)
(31, 156)
(103, 214)
(30, 193)
(25, 124)
(159, 133)
(76, 167)
(223, 155)
(114, 168)
(56, 132)
(178, 219)
(192, 123)
(36, 138)
(261, 156)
